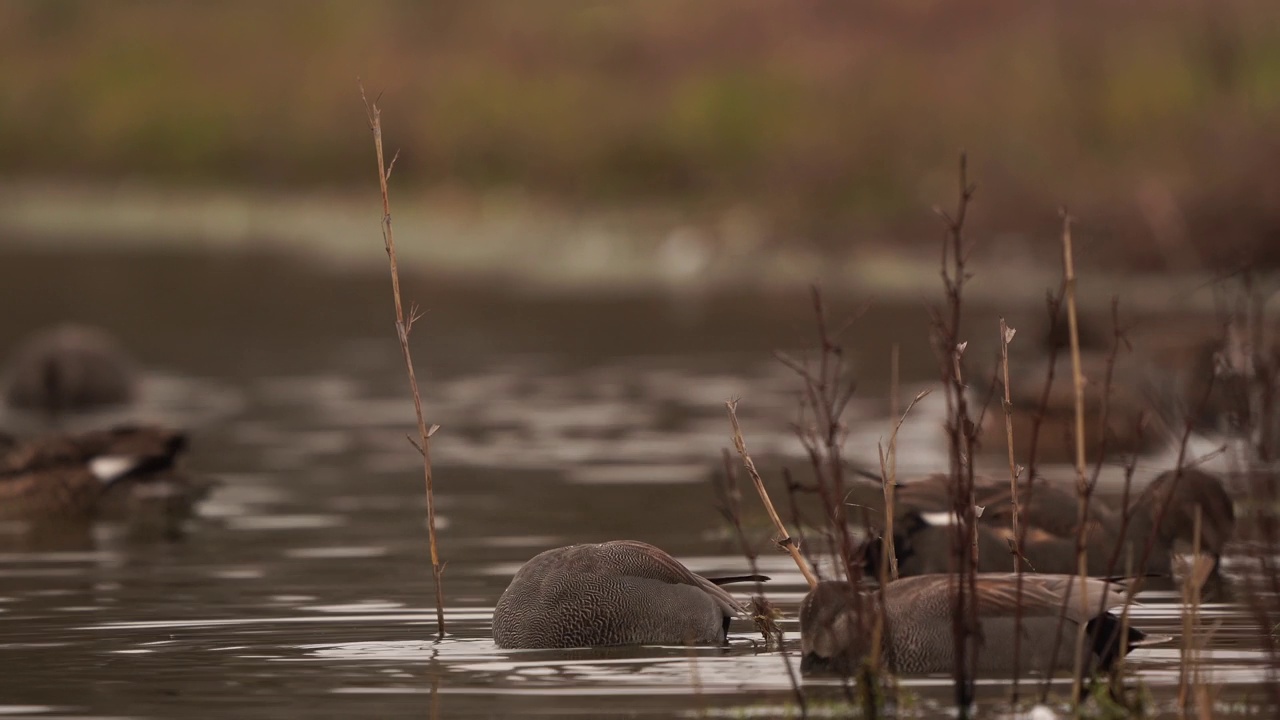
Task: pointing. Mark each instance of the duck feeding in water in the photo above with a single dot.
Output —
(836, 624)
(622, 592)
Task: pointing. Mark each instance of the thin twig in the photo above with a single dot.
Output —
(1082, 514)
(403, 327)
(888, 480)
(962, 440)
(1006, 336)
(785, 541)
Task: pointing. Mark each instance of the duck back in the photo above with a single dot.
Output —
(616, 593)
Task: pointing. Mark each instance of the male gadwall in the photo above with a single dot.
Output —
(69, 368)
(622, 592)
(78, 477)
(923, 534)
(836, 624)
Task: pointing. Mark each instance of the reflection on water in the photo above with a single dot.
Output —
(303, 586)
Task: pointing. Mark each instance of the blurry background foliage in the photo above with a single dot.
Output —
(828, 117)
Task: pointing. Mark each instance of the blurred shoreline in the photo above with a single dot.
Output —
(539, 248)
(1153, 122)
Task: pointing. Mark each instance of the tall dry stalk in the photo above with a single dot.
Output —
(1006, 336)
(729, 499)
(827, 390)
(962, 434)
(888, 482)
(1082, 483)
(785, 541)
(888, 564)
(889, 474)
(825, 394)
(404, 325)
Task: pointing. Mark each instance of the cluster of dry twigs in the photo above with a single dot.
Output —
(1248, 367)
(1252, 360)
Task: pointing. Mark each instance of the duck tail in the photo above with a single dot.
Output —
(738, 579)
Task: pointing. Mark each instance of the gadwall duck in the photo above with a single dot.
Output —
(923, 535)
(836, 624)
(622, 592)
(1168, 371)
(77, 477)
(69, 368)
(1136, 422)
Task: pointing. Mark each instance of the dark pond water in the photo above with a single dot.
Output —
(304, 588)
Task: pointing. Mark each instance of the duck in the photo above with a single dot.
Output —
(836, 623)
(1161, 377)
(923, 534)
(70, 368)
(1044, 423)
(100, 474)
(622, 592)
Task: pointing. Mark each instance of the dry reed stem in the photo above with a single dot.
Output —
(827, 392)
(403, 327)
(731, 501)
(888, 481)
(890, 556)
(1006, 336)
(786, 541)
(961, 434)
(1077, 380)
(730, 498)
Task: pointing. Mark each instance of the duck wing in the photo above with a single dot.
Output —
(640, 559)
(1043, 594)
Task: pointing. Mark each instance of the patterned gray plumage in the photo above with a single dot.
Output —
(835, 636)
(623, 592)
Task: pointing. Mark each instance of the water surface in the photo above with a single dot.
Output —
(304, 588)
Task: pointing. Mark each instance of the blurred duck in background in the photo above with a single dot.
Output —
(68, 369)
(1162, 519)
(129, 474)
(1141, 389)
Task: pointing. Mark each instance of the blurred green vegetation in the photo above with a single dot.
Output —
(1158, 119)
